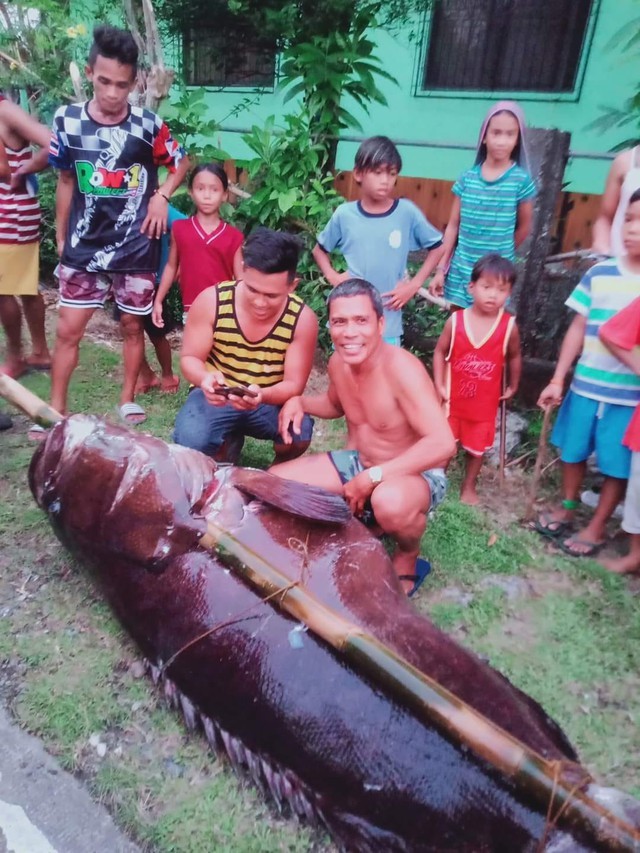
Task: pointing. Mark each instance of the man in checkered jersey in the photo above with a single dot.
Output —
(110, 211)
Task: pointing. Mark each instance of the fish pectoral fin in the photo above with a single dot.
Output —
(310, 502)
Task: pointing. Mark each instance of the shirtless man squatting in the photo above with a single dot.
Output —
(398, 437)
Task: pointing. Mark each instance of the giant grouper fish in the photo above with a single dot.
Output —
(168, 534)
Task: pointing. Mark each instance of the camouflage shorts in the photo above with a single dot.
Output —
(133, 292)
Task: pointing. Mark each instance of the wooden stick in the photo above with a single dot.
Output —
(503, 430)
(23, 399)
(535, 778)
(435, 300)
(537, 471)
(518, 459)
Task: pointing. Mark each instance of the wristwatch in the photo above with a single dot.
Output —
(375, 474)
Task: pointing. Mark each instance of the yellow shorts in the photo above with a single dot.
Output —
(19, 269)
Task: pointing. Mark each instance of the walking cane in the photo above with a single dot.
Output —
(537, 471)
(503, 430)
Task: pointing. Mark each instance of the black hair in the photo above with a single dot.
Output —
(376, 152)
(496, 266)
(113, 43)
(634, 197)
(272, 251)
(357, 287)
(214, 168)
(515, 154)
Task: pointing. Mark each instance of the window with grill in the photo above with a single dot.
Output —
(506, 45)
(227, 56)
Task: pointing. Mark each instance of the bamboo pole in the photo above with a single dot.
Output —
(535, 777)
(503, 430)
(29, 403)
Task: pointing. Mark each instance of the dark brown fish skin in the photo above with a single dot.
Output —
(378, 778)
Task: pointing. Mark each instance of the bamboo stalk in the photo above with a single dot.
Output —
(537, 470)
(29, 403)
(536, 778)
(503, 430)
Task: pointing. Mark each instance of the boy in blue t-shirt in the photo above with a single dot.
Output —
(376, 234)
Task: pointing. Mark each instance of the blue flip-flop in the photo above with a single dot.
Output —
(423, 568)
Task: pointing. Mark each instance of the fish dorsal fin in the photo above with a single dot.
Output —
(310, 502)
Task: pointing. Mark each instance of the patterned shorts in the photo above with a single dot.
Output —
(348, 465)
(133, 292)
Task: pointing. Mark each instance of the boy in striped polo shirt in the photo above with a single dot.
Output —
(599, 405)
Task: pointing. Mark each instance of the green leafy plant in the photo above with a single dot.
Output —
(625, 40)
(291, 191)
(38, 41)
(186, 114)
(331, 73)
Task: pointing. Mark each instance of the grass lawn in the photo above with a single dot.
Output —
(565, 631)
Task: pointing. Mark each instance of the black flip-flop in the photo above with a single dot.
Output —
(423, 568)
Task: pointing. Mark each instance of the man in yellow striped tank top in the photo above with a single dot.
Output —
(253, 334)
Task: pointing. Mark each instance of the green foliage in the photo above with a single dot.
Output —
(326, 69)
(48, 248)
(38, 40)
(291, 192)
(625, 40)
(186, 114)
(288, 22)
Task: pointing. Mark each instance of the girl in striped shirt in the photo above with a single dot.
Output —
(492, 206)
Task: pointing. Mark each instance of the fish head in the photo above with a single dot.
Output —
(134, 494)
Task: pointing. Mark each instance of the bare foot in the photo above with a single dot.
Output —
(622, 565)
(169, 384)
(146, 383)
(469, 497)
(39, 362)
(14, 368)
(405, 564)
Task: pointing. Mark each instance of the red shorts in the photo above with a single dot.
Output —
(476, 437)
(133, 292)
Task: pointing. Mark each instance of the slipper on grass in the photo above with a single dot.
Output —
(544, 522)
(591, 548)
(423, 568)
(132, 414)
(37, 433)
(45, 368)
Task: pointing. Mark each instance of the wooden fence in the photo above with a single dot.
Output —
(575, 212)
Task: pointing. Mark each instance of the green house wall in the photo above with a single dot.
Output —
(437, 132)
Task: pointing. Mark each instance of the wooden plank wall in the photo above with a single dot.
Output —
(575, 211)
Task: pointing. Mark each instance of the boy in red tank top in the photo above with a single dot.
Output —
(469, 360)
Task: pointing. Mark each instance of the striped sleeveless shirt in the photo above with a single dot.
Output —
(250, 362)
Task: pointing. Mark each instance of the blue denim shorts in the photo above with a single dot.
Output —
(348, 465)
(204, 427)
(584, 425)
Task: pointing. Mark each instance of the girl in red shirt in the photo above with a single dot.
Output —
(468, 363)
(204, 247)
